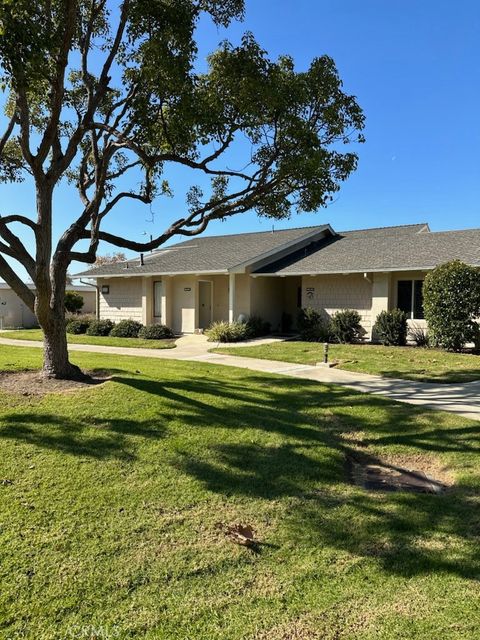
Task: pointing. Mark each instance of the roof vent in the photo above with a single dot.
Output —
(142, 261)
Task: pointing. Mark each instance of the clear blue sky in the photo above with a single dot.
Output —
(415, 69)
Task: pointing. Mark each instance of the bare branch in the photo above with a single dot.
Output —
(8, 132)
(20, 288)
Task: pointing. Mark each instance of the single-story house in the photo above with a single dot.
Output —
(191, 284)
(14, 313)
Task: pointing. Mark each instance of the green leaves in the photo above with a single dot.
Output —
(452, 304)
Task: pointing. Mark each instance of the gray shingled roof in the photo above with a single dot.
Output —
(207, 254)
(382, 250)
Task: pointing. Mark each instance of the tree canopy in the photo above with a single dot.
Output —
(98, 91)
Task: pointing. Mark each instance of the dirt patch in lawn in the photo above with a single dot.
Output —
(415, 474)
(32, 383)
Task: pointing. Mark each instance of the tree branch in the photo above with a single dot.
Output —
(20, 288)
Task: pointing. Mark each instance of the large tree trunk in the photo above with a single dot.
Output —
(51, 316)
(50, 283)
(56, 363)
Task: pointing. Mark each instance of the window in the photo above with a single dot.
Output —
(157, 298)
(410, 298)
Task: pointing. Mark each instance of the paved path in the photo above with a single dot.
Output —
(462, 399)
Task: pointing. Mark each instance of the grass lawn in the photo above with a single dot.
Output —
(107, 341)
(428, 365)
(110, 499)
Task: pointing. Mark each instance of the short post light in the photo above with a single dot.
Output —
(325, 352)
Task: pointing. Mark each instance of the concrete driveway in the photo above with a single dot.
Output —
(461, 399)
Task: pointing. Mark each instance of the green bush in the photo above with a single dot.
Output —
(126, 329)
(100, 328)
(73, 302)
(78, 326)
(258, 327)
(390, 328)
(228, 332)
(452, 303)
(311, 326)
(345, 326)
(156, 332)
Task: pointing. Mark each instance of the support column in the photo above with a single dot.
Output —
(231, 297)
(147, 295)
(380, 291)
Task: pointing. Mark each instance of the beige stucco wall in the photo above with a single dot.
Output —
(332, 293)
(89, 301)
(267, 299)
(13, 312)
(220, 297)
(124, 300)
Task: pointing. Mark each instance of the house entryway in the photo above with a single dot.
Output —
(204, 304)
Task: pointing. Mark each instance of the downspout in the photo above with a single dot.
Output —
(97, 297)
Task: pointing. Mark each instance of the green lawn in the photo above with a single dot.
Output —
(107, 341)
(110, 498)
(428, 365)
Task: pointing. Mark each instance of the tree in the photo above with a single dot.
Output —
(110, 258)
(451, 295)
(98, 92)
(73, 301)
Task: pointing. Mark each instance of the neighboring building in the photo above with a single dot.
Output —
(14, 313)
(191, 284)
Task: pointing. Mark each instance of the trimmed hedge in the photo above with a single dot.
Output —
(311, 326)
(156, 332)
(345, 326)
(100, 328)
(451, 300)
(390, 328)
(77, 327)
(126, 329)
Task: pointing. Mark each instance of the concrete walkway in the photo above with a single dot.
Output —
(462, 399)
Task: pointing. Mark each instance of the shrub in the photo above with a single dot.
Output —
(77, 326)
(390, 328)
(345, 326)
(228, 332)
(73, 302)
(126, 329)
(258, 327)
(100, 328)
(451, 303)
(311, 326)
(156, 332)
(84, 317)
(419, 335)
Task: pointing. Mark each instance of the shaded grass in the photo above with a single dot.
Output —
(410, 363)
(107, 341)
(108, 518)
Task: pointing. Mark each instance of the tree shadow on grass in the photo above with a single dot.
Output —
(305, 468)
(407, 534)
(109, 438)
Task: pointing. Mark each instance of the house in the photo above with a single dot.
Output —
(15, 313)
(273, 273)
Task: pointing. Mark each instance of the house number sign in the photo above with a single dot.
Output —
(310, 292)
